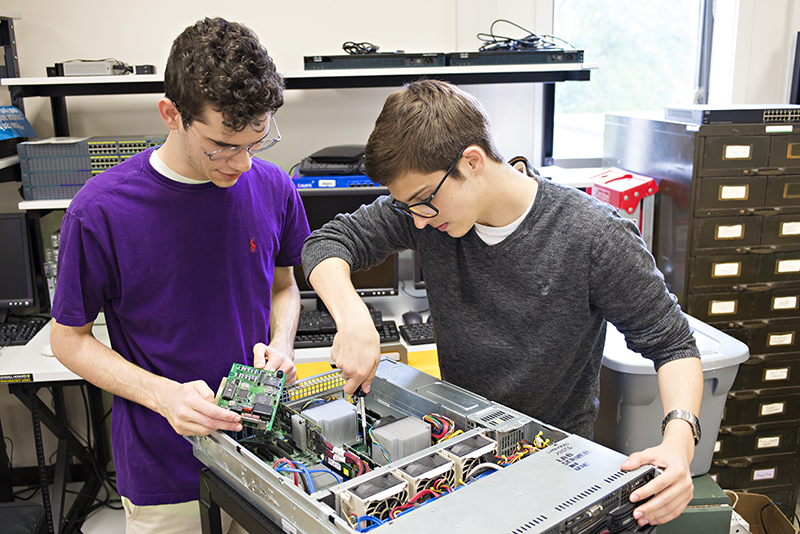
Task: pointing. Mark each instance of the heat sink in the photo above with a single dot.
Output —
(299, 432)
(337, 419)
(376, 497)
(425, 472)
(401, 438)
(467, 453)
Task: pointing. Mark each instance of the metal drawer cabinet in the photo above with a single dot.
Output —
(761, 406)
(756, 440)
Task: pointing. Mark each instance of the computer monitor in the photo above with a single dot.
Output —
(17, 287)
(321, 206)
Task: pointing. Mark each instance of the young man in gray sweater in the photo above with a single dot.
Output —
(521, 274)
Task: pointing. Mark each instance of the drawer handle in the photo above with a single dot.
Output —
(742, 430)
(763, 286)
(765, 249)
(765, 212)
(774, 171)
(752, 325)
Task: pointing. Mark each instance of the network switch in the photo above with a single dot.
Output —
(56, 168)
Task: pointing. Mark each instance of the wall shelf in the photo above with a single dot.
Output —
(57, 89)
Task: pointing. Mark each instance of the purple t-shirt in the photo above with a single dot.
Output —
(183, 273)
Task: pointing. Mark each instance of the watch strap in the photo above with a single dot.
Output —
(686, 416)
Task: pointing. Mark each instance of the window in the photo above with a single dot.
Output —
(647, 56)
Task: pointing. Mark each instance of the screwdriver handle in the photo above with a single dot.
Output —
(359, 392)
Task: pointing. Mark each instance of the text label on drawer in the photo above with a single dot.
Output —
(768, 443)
(785, 303)
(731, 232)
(737, 152)
(776, 374)
(722, 270)
(733, 192)
(772, 409)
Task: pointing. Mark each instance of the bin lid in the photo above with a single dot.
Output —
(717, 350)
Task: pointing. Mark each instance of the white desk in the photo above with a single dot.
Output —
(26, 370)
(28, 364)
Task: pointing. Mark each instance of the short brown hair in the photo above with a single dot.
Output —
(422, 128)
(222, 65)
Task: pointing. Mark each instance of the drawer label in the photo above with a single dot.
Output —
(790, 228)
(764, 474)
(735, 231)
(737, 151)
(768, 443)
(788, 266)
(776, 374)
(772, 409)
(780, 128)
(722, 307)
(721, 270)
(784, 303)
(717, 446)
(774, 340)
(733, 192)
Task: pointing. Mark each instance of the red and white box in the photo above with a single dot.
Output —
(632, 194)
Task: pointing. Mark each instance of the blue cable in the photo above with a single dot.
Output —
(328, 471)
(366, 528)
(305, 473)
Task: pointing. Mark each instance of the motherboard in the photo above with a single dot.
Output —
(432, 457)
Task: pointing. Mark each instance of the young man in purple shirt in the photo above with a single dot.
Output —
(188, 249)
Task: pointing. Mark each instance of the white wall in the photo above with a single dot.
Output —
(53, 31)
(753, 51)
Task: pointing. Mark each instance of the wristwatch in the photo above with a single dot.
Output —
(686, 416)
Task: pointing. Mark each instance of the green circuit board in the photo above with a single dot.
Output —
(252, 393)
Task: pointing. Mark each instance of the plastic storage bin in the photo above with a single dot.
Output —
(629, 419)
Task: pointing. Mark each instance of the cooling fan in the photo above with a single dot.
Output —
(376, 496)
(467, 453)
(424, 473)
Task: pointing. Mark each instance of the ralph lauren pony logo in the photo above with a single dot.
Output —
(253, 245)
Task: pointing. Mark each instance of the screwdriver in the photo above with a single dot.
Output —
(359, 394)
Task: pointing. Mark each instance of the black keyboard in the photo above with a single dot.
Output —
(417, 334)
(387, 331)
(321, 322)
(20, 332)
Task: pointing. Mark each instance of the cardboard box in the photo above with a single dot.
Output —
(750, 507)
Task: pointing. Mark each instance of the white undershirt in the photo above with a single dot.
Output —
(162, 168)
(492, 235)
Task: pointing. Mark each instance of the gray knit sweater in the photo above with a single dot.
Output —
(523, 322)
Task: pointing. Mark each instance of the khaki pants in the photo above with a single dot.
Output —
(181, 518)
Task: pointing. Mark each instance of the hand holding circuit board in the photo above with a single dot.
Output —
(252, 393)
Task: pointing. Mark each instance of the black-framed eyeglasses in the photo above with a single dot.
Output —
(424, 208)
(229, 152)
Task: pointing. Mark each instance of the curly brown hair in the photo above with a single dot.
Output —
(222, 65)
